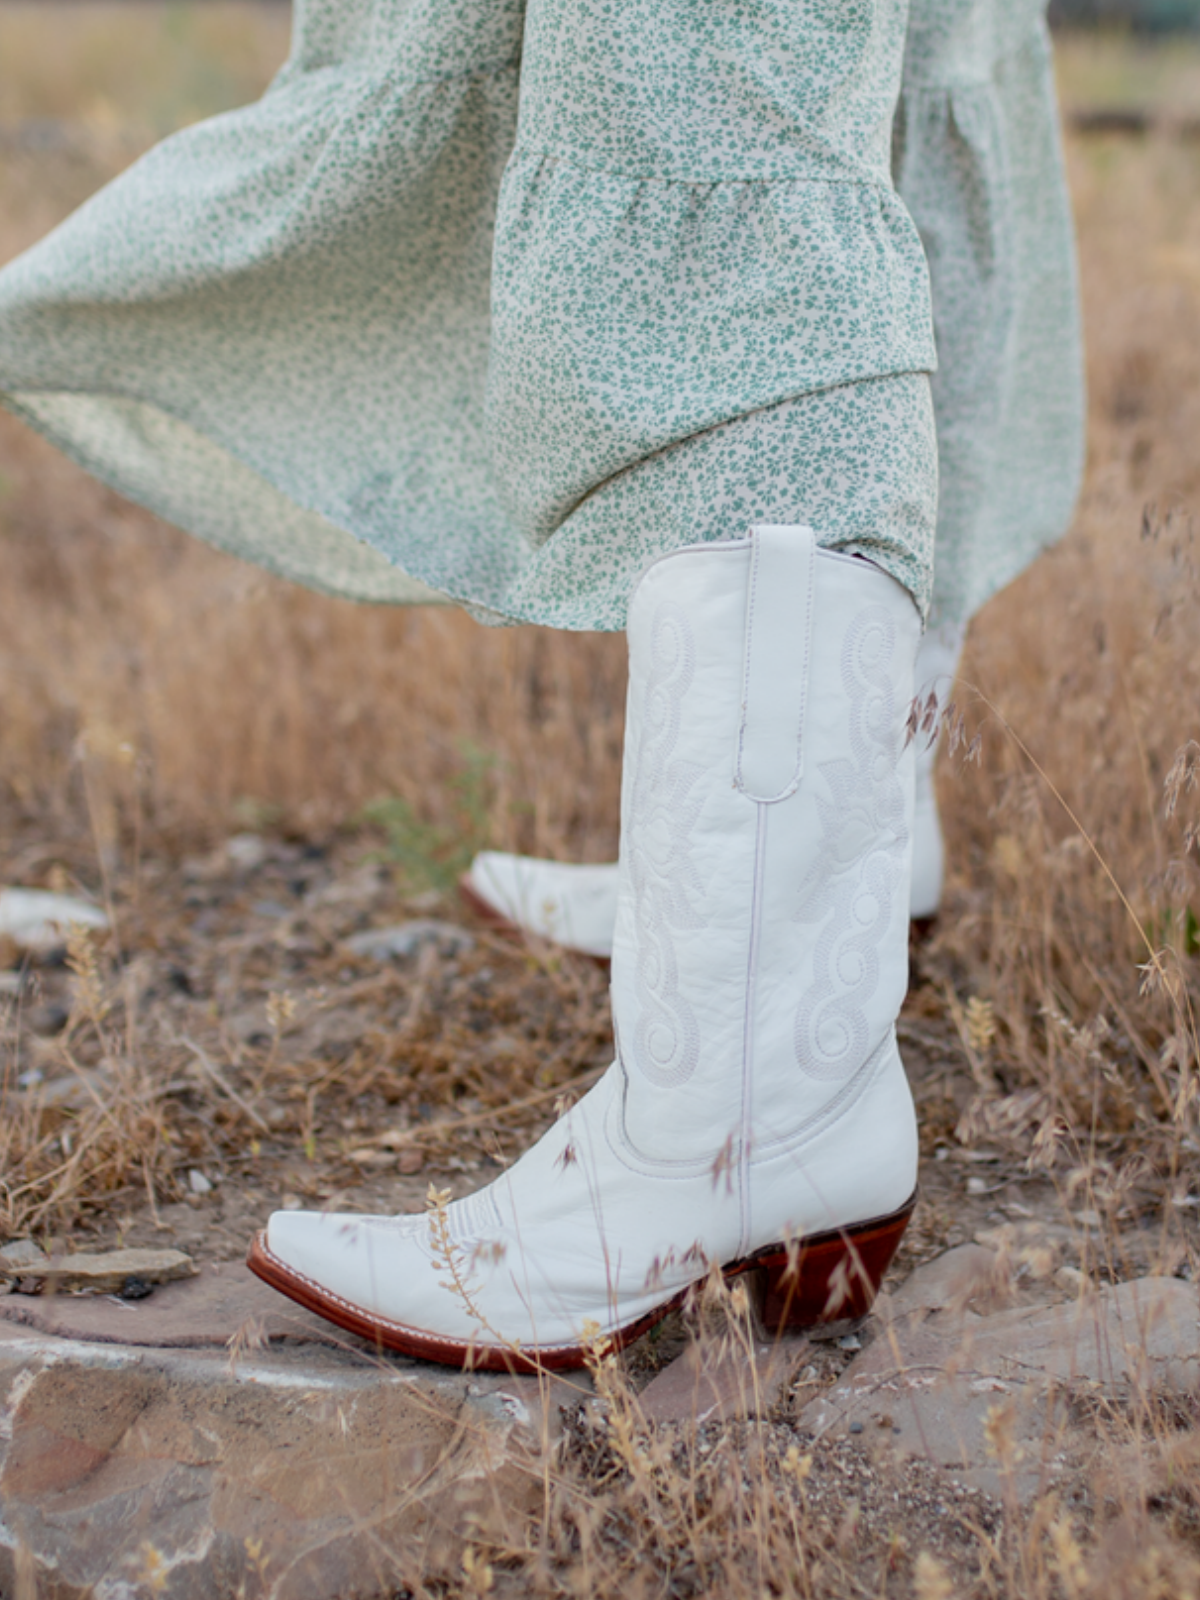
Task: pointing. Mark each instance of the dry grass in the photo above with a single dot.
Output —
(136, 67)
(200, 694)
(1075, 891)
(155, 696)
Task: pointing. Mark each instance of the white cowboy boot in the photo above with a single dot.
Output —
(937, 662)
(757, 1115)
(576, 906)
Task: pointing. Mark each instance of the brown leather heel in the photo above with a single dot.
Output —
(827, 1277)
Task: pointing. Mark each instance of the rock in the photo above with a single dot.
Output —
(223, 1306)
(46, 1021)
(246, 852)
(106, 1272)
(274, 909)
(728, 1383)
(240, 857)
(198, 1183)
(954, 1279)
(1071, 1281)
(359, 887)
(83, 1088)
(35, 919)
(405, 938)
(20, 1262)
(290, 1473)
(19, 1254)
(984, 1395)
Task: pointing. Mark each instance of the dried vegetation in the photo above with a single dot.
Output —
(157, 698)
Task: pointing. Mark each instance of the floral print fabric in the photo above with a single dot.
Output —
(494, 303)
(977, 159)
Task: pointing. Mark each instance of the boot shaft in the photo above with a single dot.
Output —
(760, 953)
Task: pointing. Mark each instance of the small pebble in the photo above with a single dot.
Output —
(246, 851)
(20, 1253)
(269, 908)
(856, 1427)
(406, 938)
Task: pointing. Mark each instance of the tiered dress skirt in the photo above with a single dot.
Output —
(492, 303)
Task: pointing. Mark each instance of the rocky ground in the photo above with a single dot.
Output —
(274, 1024)
(310, 1036)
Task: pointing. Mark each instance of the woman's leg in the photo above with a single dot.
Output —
(708, 413)
(977, 161)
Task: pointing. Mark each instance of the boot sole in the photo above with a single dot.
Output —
(825, 1278)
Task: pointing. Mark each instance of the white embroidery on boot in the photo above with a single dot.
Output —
(852, 892)
(473, 1219)
(664, 812)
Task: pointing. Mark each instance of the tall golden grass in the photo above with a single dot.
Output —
(195, 691)
(1074, 889)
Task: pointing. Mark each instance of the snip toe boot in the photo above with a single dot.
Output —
(576, 905)
(756, 1118)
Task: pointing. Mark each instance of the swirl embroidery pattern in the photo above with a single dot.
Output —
(663, 875)
(852, 888)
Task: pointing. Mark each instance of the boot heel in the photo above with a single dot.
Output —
(827, 1277)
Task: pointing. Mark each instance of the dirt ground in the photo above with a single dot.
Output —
(290, 1072)
(284, 1070)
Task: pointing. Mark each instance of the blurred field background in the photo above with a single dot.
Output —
(151, 687)
(157, 697)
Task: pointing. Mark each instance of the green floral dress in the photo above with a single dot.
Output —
(494, 302)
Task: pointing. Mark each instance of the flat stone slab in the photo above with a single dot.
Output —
(733, 1382)
(131, 1273)
(224, 1305)
(981, 1394)
(213, 1438)
(295, 1474)
(406, 938)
